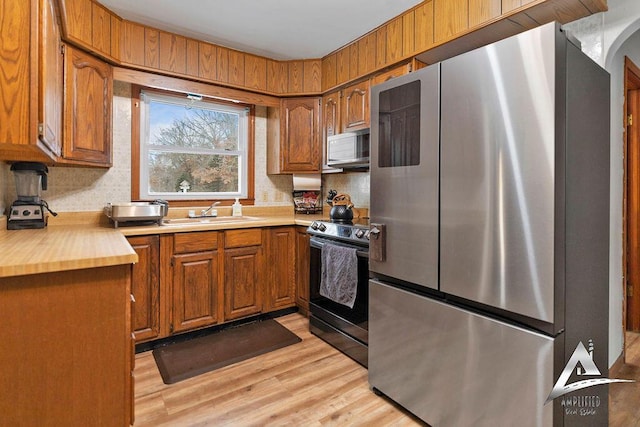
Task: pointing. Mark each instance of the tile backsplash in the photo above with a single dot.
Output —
(88, 189)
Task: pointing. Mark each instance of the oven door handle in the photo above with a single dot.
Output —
(318, 243)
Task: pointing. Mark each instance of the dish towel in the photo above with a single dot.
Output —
(339, 278)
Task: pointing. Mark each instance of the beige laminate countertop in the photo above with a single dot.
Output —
(61, 248)
(67, 246)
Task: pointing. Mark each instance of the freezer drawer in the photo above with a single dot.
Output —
(451, 367)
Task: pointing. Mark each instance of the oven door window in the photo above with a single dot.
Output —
(399, 126)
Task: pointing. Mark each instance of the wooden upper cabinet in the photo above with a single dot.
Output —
(193, 58)
(255, 72)
(207, 61)
(132, 46)
(91, 25)
(172, 52)
(355, 106)
(236, 68)
(331, 123)
(330, 115)
(296, 76)
(481, 11)
(423, 26)
(30, 81)
(509, 5)
(389, 74)
(222, 64)
(51, 78)
(312, 76)
(151, 48)
(277, 76)
(394, 41)
(450, 18)
(343, 64)
(100, 29)
(381, 46)
(293, 136)
(367, 54)
(78, 16)
(329, 72)
(408, 29)
(87, 109)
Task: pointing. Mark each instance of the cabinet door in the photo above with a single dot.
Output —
(300, 135)
(51, 79)
(281, 262)
(195, 290)
(242, 290)
(302, 269)
(145, 287)
(355, 107)
(87, 109)
(330, 124)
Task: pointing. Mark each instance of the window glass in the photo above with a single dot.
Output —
(190, 149)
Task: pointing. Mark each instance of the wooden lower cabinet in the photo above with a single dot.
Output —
(282, 268)
(302, 269)
(145, 287)
(191, 280)
(66, 353)
(193, 283)
(242, 282)
(195, 291)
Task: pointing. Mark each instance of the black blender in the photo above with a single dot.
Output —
(29, 211)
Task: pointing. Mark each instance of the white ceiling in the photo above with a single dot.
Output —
(277, 29)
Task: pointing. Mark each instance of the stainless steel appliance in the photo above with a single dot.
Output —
(137, 213)
(490, 235)
(29, 210)
(348, 150)
(344, 327)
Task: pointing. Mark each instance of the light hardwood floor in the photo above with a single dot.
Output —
(624, 398)
(306, 384)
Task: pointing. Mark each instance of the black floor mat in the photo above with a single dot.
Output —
(187, 359)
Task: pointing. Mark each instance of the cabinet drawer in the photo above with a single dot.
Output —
(240, 238)
(195, 242)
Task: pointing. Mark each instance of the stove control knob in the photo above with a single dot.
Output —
(367, 234)
(322, 227)
(359, 233)
(314, 225)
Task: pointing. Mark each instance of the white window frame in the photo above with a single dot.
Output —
(243, 147)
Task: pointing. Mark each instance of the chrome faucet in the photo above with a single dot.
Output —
(205, 212)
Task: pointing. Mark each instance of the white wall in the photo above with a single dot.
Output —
(607, 37)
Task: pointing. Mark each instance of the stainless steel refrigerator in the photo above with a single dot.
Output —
(489, 244)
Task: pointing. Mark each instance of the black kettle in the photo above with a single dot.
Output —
(341, 208)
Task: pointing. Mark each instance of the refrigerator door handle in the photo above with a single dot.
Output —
(377, 242)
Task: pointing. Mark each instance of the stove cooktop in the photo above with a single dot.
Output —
(356, 231)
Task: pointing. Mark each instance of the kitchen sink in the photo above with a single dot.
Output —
(208, 220)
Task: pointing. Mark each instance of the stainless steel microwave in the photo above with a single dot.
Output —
(348, 150)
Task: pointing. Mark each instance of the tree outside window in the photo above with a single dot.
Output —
(192, 149)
